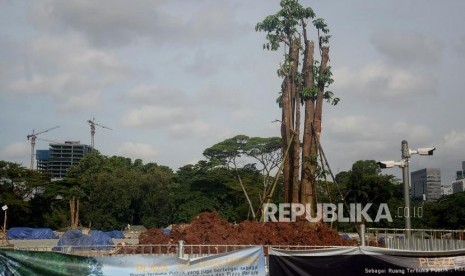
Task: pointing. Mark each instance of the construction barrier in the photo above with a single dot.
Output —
(216, 260)
(356, 261)
(248, 261)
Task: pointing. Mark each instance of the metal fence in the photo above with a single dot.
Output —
(419, 240)
(179, 249)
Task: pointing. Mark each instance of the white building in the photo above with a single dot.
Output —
(446, 189)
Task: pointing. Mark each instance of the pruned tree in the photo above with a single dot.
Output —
(304, 86)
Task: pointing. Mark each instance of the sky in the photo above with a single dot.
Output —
(171, 78)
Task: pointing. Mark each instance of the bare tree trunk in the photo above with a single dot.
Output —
(308, 168)
(320, 96)
(284, 130)
(71, 210)
(286, 127)
(76, 213)
(295, 105)
(243, 189)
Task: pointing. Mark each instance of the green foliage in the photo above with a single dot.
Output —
(287, 26)
(365, 184)
(114, 191)
(282, 27)
(447, 213)
(204, 187)
(17, 186)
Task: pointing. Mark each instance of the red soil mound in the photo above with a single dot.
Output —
(209, 228)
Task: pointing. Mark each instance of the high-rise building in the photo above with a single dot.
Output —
(60, 156)
(458, 186)
(426, 184)
(461, 174)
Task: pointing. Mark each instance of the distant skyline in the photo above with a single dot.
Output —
(172, 78)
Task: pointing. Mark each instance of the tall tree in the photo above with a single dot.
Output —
(288, 28)
(365, 184)
(18, 185)
(226, 153)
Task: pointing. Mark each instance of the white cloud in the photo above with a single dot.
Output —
(126, 22)
(66, 70)
(190, 129)
(203, 64)
(16, 151)
(408, 48)
(355, 138)
(155, 116)
(460, 46)
(357, 128)
(146, 152)
(454, 142)
(156, 95)
(379, 82)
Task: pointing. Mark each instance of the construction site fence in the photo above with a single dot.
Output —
(416, 239)
(180, 250)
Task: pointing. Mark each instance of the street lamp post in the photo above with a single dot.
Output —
(403, 163)
(406, 178)
(4, 208)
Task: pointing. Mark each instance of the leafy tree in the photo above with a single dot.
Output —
(288, 28)
(110, 192)
(447, 213)
(365, 184)
(242, 153)
(267, 152)
(208, 187)
(78, 180)
(227, 153)
(17, 186)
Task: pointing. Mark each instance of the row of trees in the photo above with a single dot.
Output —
(110, 192)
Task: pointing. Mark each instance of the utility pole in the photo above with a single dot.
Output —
(405, 176)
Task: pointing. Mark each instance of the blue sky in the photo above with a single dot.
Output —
(172, 78)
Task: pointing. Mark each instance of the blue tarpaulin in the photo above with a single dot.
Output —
(115, 234)
(26, 233)
(94, 240)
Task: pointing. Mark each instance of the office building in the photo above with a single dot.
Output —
(459, 183)
(426, 184)
(461, 174)
(458, 186)
(60, 156)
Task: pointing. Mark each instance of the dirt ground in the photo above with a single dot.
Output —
(210, 228)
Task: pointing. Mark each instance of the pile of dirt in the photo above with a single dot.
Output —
(209, 228)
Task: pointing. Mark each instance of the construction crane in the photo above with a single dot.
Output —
(92, 124)
(33, 138)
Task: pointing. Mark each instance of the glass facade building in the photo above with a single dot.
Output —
(426, 184)
(60, 156)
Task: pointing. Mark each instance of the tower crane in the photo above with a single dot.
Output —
(92, 124)
(33, 138)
